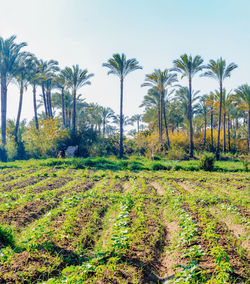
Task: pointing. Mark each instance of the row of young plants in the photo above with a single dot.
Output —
(29, 200)
(127, 245)
(217, 188)
(41, 236)
(104, 259)
(223, 196)
(221, 243)
(187, 239)
(108, 226)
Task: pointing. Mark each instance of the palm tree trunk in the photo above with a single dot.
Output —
(159, 126)
(104, 127)
(212, 138)
(190, 119)
(205, 133)
(19, 112)
(49, 104)
(63, 109)
(224, 132)
(3, 110)
(121, 121)
(160, 121)
(35, 107)
(218, 138)
(165, 122)
(228, 133)
(74, 112)
(138, 125)
(248, 136)
(44, 100)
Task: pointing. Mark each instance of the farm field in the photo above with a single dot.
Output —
(62, 225)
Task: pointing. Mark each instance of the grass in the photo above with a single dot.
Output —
(133, 163)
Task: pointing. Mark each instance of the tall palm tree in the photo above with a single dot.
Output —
(151, 102)
(47, 71)
(161, 80)
(120, 66)
(188, 67)
(60, 83)
(225, 110)
(56, 100)
(106, 113)
(203, 110)
(34, 79)
(219, 71)
(125, 120)
(182, 95)
(21, 78)
(242, 98)
(137, 118)
(76, 78)
(10, 53)
(210, 102)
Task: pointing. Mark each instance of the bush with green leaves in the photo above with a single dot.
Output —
(207, 162)
(160, 167)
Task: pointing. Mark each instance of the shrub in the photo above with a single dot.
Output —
(176, 153)
(78, 164)
(160, 166)
(123, 164)
(11, 148)
(6, 236)
(136, 166)
(207, 162)
(43, 142)
(245, 165)
(156, 158)
(177, 167)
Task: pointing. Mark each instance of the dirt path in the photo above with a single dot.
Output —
(159, 188)
(168, 261)
(187, 187)
(237, 229)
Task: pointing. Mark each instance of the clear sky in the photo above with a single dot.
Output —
(88, 32)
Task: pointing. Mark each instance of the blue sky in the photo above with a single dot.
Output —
(88, 32)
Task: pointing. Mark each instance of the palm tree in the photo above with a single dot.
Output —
(137, 118)
(34, 78)
(182, 96)
(242, 98)
(76, 78)
(10, 53)
(226, 104)
(189, 66)
(219, 71)
(125, 120)
(203, 110)
(120, 66)
(106, 113)
(151, 102)
(56, 101)
(21, 78)
(210, 102)
(47, 71)
(160, 80)
(60, 83)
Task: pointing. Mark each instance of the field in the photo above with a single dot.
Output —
(86, 225)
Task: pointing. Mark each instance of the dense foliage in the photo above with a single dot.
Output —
(178, 121)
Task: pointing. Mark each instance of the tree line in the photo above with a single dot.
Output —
(60, 87)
